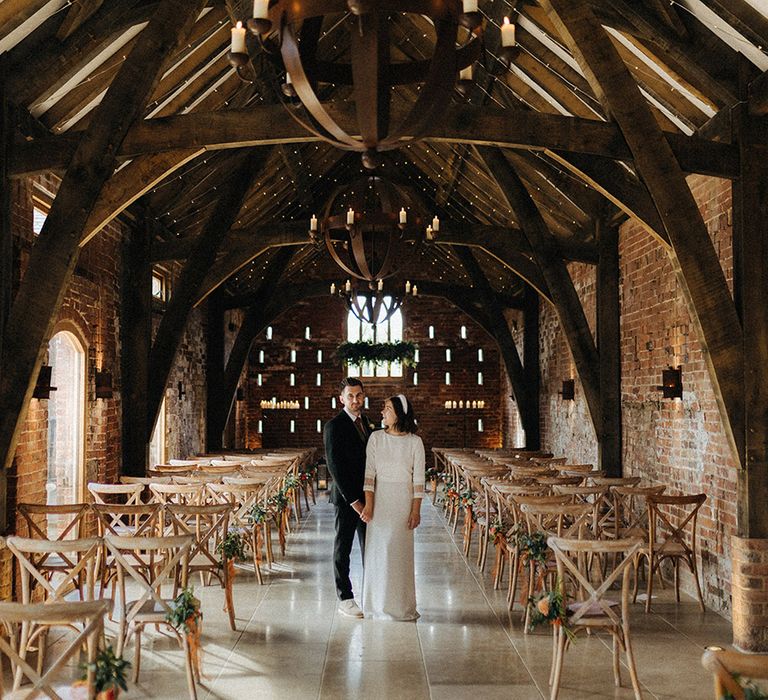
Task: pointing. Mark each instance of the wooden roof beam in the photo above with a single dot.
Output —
(692, 253)
(267, 125)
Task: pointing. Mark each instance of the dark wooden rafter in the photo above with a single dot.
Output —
(750, 261)
(609, 347)
(618, 185)
(692, 253)
(486, 126)
(527, 404)
(220, 405)
(78, 13)
(6, 248)
(553, 269)
(186, 289)
(55, 253)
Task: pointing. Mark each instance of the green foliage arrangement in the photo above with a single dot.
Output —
(533, 547)
(751, 691)
(257, 515)
(232, 546)
(183, 608)
(377, 353)
(550, 607)
(278, 502)
(109, 671)
(291, 482)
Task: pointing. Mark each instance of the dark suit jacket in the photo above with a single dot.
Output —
(345, 457)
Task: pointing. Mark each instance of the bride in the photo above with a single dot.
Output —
(394, 487)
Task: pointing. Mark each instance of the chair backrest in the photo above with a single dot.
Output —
(570, 520)
(631, 507)
(185, 462)
(726, 664)
(170, 470)
(137, 521)
(196, 478)
(145, 480)
(573, 563)
(207, 525)
(242, 498)
(189, 494)
(661, 525)
(102, 492)
(74, 515)
(148, 562)
(73, 560)
(615, 481)
(86, 617)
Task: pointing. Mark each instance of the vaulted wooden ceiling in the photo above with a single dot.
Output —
(62, 56)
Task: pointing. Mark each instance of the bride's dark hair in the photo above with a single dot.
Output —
(406, 421)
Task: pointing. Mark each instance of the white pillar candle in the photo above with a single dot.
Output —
(238, 39)
(351, 216)
(435, 224)
(408, 287)
(348, 286)
(469, 5)
(380, 285)
(333, 288)
(261, 9)
(507, 33)
(313, 223)
(415, 290)
(465, 73)
(403, 216)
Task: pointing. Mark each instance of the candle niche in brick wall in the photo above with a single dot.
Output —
(568, 391)
(671, 383)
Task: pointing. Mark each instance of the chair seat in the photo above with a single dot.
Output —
(594, 609)
(150, 611)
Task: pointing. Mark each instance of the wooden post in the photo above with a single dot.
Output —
(531, 365)
(609, 348)
(136, 342)
(214, 371)
(750, 257)
(6, 249)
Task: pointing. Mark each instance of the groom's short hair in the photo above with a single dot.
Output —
(350, 381)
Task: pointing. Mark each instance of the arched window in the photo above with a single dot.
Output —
(385, 331)
(66, 424)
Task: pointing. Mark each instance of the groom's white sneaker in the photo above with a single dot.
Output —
(350, 608)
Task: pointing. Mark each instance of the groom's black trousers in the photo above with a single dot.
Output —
(347, 524)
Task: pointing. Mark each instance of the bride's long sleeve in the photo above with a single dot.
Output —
(419, 460)
(370, 465)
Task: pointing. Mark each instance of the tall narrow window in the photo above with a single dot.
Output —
(66, 425)
(307, 332)
(306, 403)
(319, 426)
(293, 356)
(160, 286)
(447, 354)
(261, 356)
(447, 378)
(260, 427)
(479, 425)
(269, 332)
(384, 331)
(157, 442)
(415, 379)
(479, 354)
(333, 402)
(319, 379)
(293, 426)
(319, 357)
(292, 379)
(480, 379)
(464, 332)
(431, 332)
(259, 379)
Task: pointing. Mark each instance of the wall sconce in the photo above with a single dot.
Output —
(568, 392)
(103, 384)
(43, 386)
(672, 383)
(239, 394)
(180, 388)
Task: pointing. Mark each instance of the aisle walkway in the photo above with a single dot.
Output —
(293, 645)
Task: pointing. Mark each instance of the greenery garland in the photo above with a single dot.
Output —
(232, 546)
(184, 608)
(364, 351)
(109, 671)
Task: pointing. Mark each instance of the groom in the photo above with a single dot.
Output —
(345, 438)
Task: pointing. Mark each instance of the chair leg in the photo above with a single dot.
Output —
(514, 572)
(677, 579)
(42, 645)
(632, 668)
(137, 655)
(616, 663)
(558, 664)
(190, 676)
(649, 586)
(695, 571)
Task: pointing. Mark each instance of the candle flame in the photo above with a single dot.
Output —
(239, 25)
(506, 20)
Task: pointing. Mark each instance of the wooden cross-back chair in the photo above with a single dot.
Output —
(672, 540)
(591, 610)
(170, 470)
(208, 525)
(56, 568)
(34, 513)
(86, 617)
(128, 494)
(186, 494)
(728, 665)
(170, 557)
(242, 497)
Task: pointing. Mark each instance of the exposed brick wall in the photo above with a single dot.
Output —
(679, 443)
(326, 319)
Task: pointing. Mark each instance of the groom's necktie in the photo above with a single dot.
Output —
(361, 429)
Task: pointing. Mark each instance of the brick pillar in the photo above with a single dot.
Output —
(749, 590)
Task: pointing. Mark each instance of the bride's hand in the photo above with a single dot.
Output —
(367, 514)
(414, 519)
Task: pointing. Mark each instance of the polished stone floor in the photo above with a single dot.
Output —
(292, 644)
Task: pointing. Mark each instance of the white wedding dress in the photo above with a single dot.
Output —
(394, 471)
